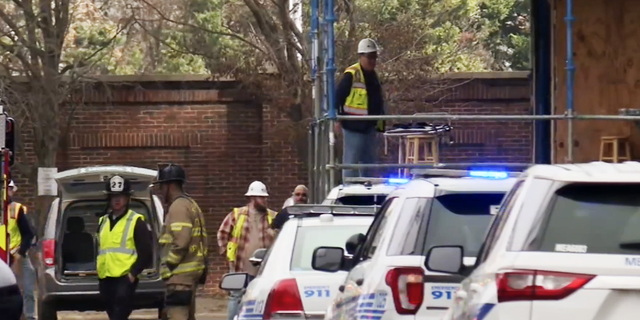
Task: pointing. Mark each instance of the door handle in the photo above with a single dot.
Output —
(341, 288)
(460, 295)
(359, 282)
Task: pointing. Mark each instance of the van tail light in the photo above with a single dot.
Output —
(532, 285)
(49, 252)
(284, 301)
(407, 288)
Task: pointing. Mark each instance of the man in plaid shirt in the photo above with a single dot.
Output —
(243, 231)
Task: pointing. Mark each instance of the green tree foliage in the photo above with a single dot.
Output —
(508, 36)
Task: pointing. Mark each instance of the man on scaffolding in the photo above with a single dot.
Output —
(359, 94)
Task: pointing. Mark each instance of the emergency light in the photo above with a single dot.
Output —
(397, 181)
(496, 175)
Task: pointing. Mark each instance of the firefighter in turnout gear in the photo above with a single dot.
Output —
(125, 249)
(183, 245)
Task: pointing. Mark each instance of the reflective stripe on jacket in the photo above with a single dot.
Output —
(240, 217)
(117, 248)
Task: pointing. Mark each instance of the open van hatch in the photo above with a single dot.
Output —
(83, 202)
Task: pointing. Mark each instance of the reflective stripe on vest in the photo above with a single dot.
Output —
(240, 216)
(117, 249)
(357, 102)
(14, 229)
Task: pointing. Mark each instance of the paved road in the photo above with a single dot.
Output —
(206, 309)
(138, 315)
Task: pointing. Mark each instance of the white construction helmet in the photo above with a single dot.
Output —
(257, 189)
(12, 185)
(367, 46)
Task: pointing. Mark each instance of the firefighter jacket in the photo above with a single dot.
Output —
(183, 243)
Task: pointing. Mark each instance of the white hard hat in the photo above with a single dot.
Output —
(257, 189)
(12, 185)
(367, 45)
(289, 202)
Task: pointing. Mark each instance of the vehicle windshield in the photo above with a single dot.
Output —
(590, 218)
(310, 237)
(362, 200)
(461, 219)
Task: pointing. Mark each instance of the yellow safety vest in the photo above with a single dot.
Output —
(117, 249)
(14, 231)
(240, 216)
(3, 228)
(357, 102)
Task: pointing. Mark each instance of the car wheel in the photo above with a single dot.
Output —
(46, 311)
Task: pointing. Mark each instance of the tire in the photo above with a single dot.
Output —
(46, 311)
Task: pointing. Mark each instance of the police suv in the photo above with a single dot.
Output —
(564, 245)
(286, 285)
(388, 281)
(363, 191)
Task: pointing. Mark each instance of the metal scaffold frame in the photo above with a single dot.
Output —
(322, 162)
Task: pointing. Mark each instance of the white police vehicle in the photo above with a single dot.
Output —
(10, 296)
(564, 245)
(286, 285)
(388, 281)
(363, 191)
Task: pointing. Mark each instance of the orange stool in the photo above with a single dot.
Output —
(614, 142)
(428, 144)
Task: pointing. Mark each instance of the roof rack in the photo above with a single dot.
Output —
(314, 210)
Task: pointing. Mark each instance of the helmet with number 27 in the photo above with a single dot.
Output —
(118, 185)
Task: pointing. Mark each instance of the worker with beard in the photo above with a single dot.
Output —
(243, 231)
(124, 249)
(183, 243)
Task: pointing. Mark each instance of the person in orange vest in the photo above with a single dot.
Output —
(21, 236)
(243, 231)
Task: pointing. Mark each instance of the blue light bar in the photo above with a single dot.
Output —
(497, 175)
(397, 181)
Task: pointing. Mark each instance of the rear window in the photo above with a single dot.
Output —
(461, 219)
(362, 200)
(311, 237)
(587, 218)
(455, 219)
(90, 212)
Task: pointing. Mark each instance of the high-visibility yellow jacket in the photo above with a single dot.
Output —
(13, 229)
(117, 249)
(240, 217)
(357, 102)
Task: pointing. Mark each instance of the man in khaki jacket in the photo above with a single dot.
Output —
(183, 245)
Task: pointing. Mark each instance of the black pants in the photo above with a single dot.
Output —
(117, 293)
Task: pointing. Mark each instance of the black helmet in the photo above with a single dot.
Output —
(171, 172)
(118, 185)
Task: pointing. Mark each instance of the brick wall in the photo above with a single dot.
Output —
(225, 139)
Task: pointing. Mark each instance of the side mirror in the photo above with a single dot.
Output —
(258, 256)
(328, 259)
(354, 242)
(234, 281)
(445, 259)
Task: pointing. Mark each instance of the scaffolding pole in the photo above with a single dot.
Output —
(571, 70)
(329, 17)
